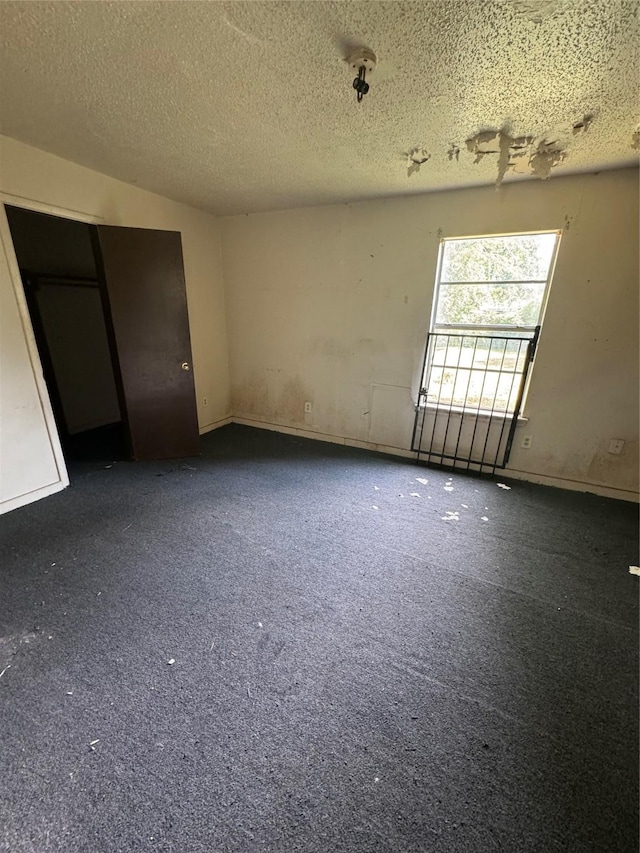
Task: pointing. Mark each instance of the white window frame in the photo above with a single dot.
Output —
(516, 331)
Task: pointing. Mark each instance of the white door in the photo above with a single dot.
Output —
(31, 461)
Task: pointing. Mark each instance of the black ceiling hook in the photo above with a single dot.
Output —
(360, 84)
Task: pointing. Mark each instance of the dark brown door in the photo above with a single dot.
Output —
(146, 309)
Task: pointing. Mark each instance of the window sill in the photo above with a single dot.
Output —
(481, 415)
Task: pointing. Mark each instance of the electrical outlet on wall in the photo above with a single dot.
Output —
(307, 407)
(616, 445)
(526, 441)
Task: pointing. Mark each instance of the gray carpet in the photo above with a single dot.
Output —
(351, 671)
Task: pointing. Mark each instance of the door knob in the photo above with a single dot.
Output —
(185, 365)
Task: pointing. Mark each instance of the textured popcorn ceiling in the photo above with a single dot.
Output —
(238, 107)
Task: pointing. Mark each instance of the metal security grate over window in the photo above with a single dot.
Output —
(489, 300)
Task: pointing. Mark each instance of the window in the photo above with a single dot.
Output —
(489, 300)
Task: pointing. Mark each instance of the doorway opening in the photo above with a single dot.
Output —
(67, 310)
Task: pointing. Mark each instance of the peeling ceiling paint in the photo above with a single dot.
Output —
(524, 155)
(238, 107)
(416, 157)
(537, 10)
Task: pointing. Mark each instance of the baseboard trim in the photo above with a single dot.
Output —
(287, 430)
(323, 436)
(573, 485)
(214, 425)
(507, 473)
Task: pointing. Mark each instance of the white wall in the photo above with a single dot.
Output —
(32, 174)
(331, 305)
